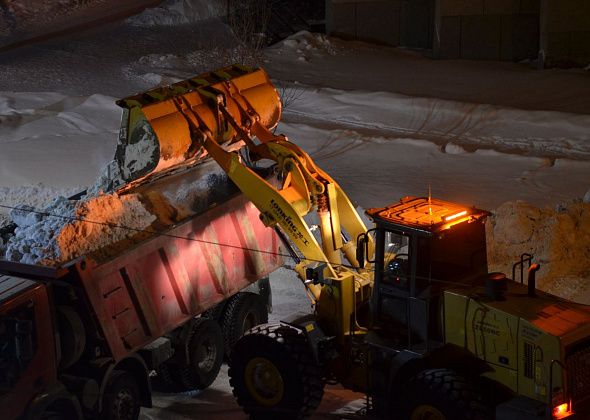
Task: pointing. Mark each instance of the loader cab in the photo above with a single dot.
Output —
(423, 246)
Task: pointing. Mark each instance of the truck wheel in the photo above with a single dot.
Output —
(273, 374)
(243, 311)
(165, 380)
(121, 398)
(441, 394)
(215, 313)
(204, 346)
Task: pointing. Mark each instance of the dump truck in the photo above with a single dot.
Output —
(405, 311)
(85, 337)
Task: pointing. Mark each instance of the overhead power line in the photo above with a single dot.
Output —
(155, 232)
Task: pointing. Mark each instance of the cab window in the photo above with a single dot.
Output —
(396, 267)
(17, 345)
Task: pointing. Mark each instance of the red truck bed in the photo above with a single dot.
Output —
(160, 283)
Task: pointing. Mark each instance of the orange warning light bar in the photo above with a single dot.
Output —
(562, 411)
(454, 216)
(427, 213)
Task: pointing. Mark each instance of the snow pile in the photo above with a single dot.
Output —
(177, 12)
(38, 196)
(62, 141)
(558, 239)
(106, 222)
(304, 45)
(22, 16)
(176, 197)
(67, 229)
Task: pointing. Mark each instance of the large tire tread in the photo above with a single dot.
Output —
(299, 354)
(447, 391)
(237, 309)
(120, 380)
(185, 376)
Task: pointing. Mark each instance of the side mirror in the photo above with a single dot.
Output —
(361, 245)
(24, 340)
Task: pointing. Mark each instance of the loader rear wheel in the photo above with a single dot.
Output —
(441, 394)
(243, 311)
(273, 374)
(204, 347)
(121, 398)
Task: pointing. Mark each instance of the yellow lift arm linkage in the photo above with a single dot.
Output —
(305, 188)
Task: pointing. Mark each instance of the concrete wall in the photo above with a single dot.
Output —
(488, 29)
(510, 30)
(565, 32)
(375, 20)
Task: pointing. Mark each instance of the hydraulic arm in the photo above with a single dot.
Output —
(231, 111)
(305, 187)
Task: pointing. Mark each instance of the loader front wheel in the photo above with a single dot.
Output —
(273, 374)
(441, 394)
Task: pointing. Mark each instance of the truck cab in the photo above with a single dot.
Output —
(28, 358)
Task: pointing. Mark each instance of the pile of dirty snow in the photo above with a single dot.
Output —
(177, 12)
(110, 216)
(559, 240)
(67, 229)
(305, 45)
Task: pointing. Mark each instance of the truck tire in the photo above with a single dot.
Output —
(72, 336)
(273, 374)
(121, 398)
(204, 347)
(165, 380)
(243, 312)
(215, 313)
(442, 394)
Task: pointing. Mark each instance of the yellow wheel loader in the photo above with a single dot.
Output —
(405, 312)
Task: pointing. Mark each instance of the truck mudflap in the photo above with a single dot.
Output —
(161, 283)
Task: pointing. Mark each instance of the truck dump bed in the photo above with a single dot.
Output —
(159, 284)
(142, 288)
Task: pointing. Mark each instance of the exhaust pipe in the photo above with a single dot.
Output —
(531, 280)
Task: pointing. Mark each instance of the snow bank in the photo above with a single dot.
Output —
(177, 12)
(304, 46)
(61, 141)
(540, 133)
(559, 240)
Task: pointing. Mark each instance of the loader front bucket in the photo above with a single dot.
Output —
(155, 135)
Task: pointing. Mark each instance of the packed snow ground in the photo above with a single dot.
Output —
(383, 122)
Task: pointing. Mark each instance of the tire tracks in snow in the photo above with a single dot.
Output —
(455, 134)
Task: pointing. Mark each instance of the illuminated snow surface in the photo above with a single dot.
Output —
(383, 122)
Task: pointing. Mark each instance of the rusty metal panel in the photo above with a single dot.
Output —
(159, 284)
